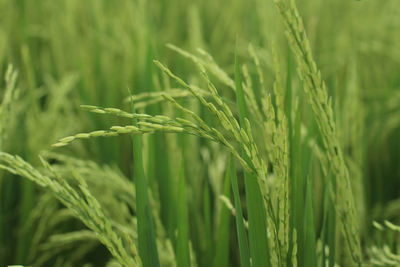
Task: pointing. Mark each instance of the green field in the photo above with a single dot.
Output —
(208, 133)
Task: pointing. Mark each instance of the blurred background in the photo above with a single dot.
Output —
(71, 52)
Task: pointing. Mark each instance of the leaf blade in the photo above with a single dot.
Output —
(255, 204)
(146, 233)
(221, 258)
(183, 254)
(242, 238)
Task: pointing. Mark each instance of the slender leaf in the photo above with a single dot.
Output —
(297, 185)
(146, 233)
(310, 248)
(207, 225)
(221, 258)
(255, 203)
(242, 237)
(183, 255)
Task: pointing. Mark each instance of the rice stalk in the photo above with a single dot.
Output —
(83, 205)
(317, 94)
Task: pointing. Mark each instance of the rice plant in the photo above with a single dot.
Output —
(178, 133)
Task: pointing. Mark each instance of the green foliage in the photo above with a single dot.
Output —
(210, 161)
(254, 200)
(223, 238)
(182, 254)
(242, 237)
(316, 90)
(145, 228)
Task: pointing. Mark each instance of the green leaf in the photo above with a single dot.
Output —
(331, 222)
(255, 204)
(310, 248)
(222, 250)
(288, 114)
(207, 226)
(297, 184)
(328, 230)
(159, 159)
(182, 255)
(242, 238)
(146, 233)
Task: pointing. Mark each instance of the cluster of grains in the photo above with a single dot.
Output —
(385, 256)
(5, 105)
(81, 203)
(317, 94)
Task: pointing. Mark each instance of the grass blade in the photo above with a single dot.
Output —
(255, 205)
(310, 248)
(207, 225)
(222, 250)
(243, 246)
(328, 231)
(297, 184)
(183, 255)
(146, 233)
(159, 165)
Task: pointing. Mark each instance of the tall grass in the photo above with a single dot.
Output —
(222, 155)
